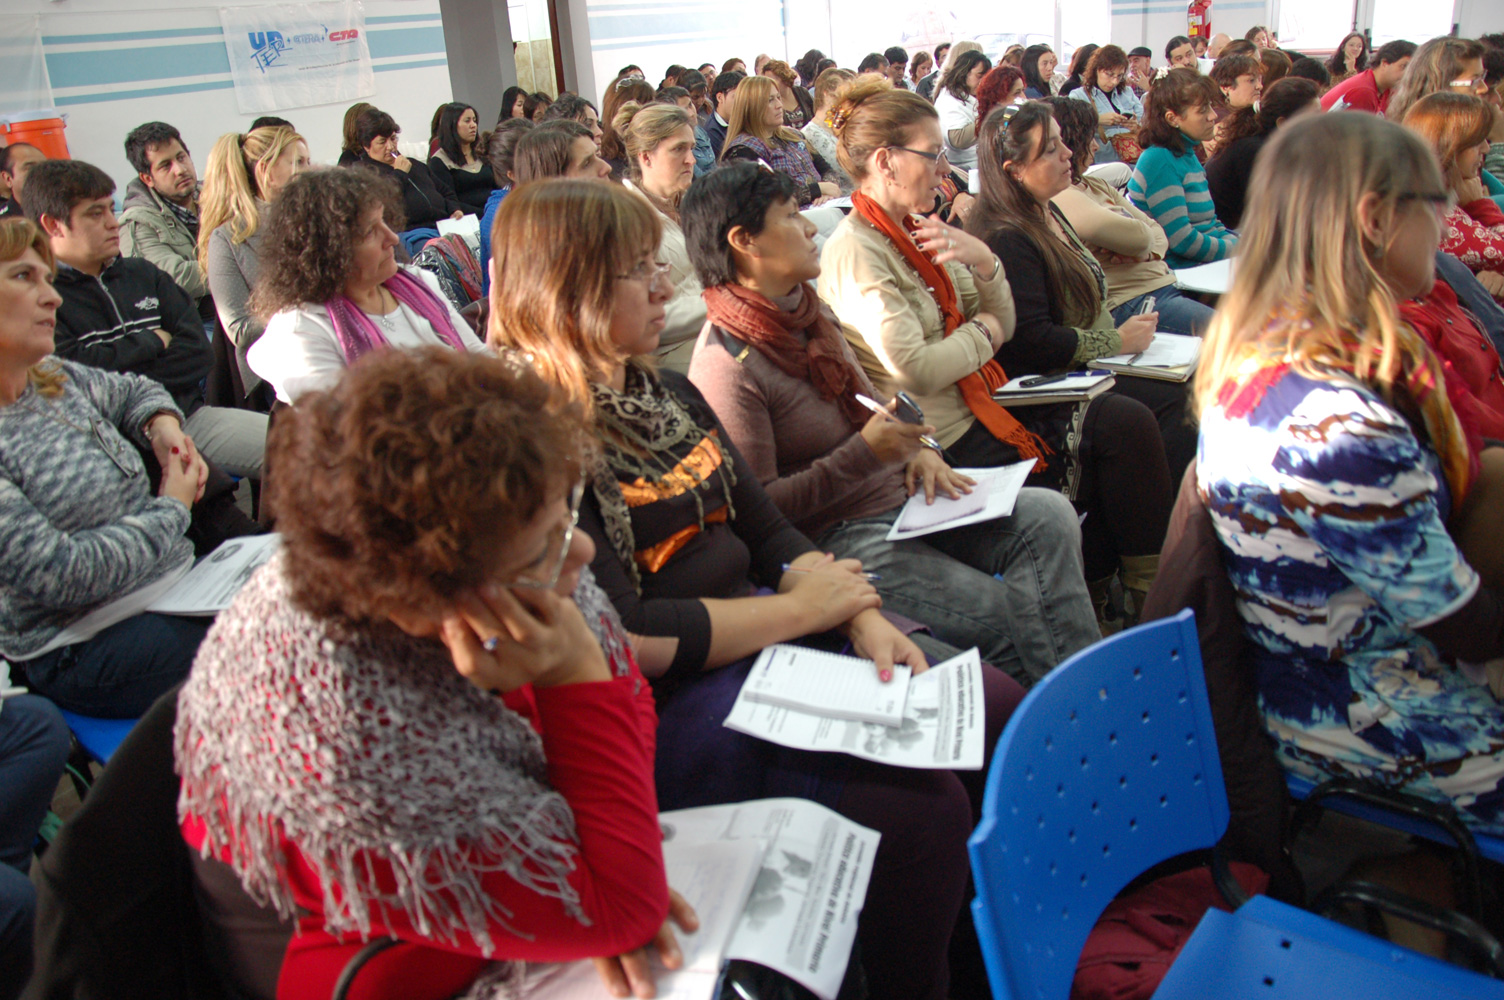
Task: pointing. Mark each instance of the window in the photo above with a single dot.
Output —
(1413, 20)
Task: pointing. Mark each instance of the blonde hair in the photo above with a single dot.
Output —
(1306, 289)
(828, 85)
(232, 187)
(868, 114)
(557, 248)
(19, 234)
(1433, 68)
(956, 51)
(642, 127)
(749, 110)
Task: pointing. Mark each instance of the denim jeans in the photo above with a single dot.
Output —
(1013, 587)
(33, 749)
(1177, 313)
(122, 670)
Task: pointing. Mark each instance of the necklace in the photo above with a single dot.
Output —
(52, 412)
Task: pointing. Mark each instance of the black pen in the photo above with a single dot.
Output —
(1038, 380)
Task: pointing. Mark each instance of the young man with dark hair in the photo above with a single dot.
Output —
(707, 70)
(125, 314)
(926, 87)
(1371, 89)
(16, 160)
(693, 81)
(720, 96)
(160, 218)
(873, 63)
(734, 65)
(898, 61)
(270, 121)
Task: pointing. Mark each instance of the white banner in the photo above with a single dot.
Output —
(297, 55)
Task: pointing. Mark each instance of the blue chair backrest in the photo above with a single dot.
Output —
(1107, 768)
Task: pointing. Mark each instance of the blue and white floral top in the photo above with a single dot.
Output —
(1332, 518)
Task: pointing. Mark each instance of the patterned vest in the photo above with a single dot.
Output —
(791, 158)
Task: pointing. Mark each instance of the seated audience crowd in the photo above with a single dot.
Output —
(565, 422)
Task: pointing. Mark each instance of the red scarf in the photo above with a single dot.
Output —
(821, 360)
(978, 387)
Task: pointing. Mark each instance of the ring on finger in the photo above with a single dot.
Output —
(489, 645)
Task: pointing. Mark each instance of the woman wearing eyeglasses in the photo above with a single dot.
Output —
(1340, 480)
(1457, 127)
(332, 289)
(685, 536)
(422, 718)
(659, 140)
(928, 307)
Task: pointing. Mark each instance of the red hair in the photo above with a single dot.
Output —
(995, 88)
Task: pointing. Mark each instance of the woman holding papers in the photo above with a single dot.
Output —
(681, 527)
(1358, 528)
(421, 719)
(87, 537)
(1012, 586)
(926, 307)
(1061, 297)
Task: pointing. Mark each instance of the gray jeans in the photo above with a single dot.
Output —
(234, 440)
(1013, 587)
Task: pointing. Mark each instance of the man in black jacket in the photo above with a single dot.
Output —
(720, 95)
(125, 314)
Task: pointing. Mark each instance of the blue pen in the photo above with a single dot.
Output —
(790, 568)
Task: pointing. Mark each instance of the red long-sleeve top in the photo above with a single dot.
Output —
(599, 740)
(1474, 234)
(1468, 358)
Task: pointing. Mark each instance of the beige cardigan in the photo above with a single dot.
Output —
(1104, 219)
(892, 322)
(686, 310)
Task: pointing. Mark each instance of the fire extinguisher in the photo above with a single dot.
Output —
(1199, 18)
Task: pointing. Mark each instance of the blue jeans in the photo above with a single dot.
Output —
(122, 670)
(1013, 587)
(33, 749)
(1177, 313)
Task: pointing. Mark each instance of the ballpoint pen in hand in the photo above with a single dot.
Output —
(791, 568)
(877, 407)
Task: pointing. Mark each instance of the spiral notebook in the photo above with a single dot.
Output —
(828, 684)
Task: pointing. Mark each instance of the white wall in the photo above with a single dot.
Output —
(117, 63)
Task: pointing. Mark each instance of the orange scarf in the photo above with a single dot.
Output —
(978, 387)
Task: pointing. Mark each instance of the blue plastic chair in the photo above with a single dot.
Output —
(98, 737)
(1107, 768)
(1270, 951)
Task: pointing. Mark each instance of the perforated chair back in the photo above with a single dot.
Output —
(1107, 768)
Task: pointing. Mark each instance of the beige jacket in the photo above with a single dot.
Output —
(892, 322)
(1105, 220)
(686, 310)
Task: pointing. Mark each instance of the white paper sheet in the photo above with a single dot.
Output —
(813, 680)
(1167, 350)
(779, 882)
(210, 586)
(996, 489)
(716, 878)
(1214, 278)
(942, 725)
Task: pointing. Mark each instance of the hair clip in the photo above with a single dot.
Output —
(1161, 73)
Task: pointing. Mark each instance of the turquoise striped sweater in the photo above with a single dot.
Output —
(1173, 190)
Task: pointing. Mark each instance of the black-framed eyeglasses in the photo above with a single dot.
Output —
(545, 571)
(932, 157)
(1443, 203)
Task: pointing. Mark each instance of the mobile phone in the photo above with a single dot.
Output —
(906, 409)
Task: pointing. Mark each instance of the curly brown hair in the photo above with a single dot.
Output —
(311, 232)
(396, 489)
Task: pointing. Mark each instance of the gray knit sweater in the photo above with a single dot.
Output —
(80, 522)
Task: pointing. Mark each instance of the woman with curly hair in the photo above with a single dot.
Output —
(431, 636)
(331, 289)
(798, 106)
(1104, 85)
(1241, 80)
